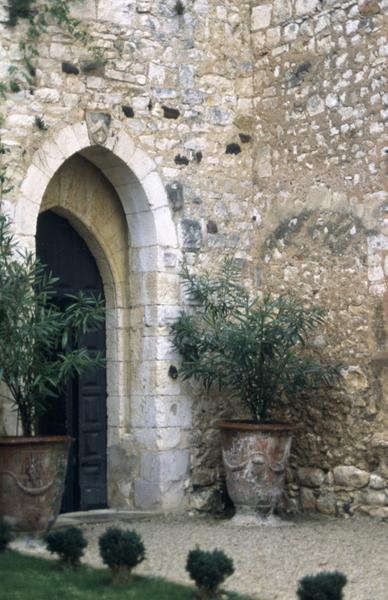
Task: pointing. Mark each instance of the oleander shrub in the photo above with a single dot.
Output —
(121, 551)
(324, 586)
(208, 570)
(69, 544)
(5, 535)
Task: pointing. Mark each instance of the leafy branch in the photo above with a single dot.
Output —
(40, 343)
(253, 347)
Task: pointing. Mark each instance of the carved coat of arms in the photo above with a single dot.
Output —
(98, 126)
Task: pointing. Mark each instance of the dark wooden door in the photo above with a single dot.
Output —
(81, 410)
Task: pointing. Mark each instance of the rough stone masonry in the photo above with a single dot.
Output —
(237, 126)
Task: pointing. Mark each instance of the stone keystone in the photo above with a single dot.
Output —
(350, 477)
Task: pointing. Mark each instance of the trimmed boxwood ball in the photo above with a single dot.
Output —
(5, 535)
(324, 586)
(208, 570)
(121, 551)
(69, 544)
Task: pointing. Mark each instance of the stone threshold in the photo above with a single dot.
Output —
(104, 515)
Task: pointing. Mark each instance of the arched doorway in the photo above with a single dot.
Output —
(113, 195)
(81, 410)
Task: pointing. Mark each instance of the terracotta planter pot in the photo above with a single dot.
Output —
(255, 458)
(32, 479)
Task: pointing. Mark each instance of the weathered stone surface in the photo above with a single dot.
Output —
(311, 477)
(326, 505)
(379, 512)
(374, 497)
(302, 86)
(308, 499)
(376, 482)
(261, 16)
(350, 477)
(368, 7)
(191, 234)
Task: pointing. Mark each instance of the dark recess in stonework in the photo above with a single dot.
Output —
(212, 227)
(198, 156)
(70, 69)
(245, 138)
(233, 149)
(175, 195)
(40, 124)
(181, 160)
(179, 7)
(128, 111)
(90, 66)
(192, 235)
(170, 113)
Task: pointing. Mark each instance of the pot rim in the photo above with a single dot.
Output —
(15, 440)
(245, 425)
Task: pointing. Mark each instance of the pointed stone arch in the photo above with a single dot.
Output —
(147, 419)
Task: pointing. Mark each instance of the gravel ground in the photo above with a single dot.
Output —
(269, 561)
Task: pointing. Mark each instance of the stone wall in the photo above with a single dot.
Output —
(162, 120)
(320, 95)
(263, 122)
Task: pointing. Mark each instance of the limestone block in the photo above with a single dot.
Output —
(155, 288)
(84, 10)
(350, 477)
(115, 11)
(48, 158)
(161, 316)
(376, 482)
(151, 377)
(47, 96)
(26, 214)
(282, 9)
(116, 415)
(158, 348)
(305, 7)
(147, 494)
(166, 466)
(379, 512)
(311, 477)
(158, 411)
(20, 120)
(124, 147)
(264, 165)
(166, 234)
(374, 497)
(190, 234)
(261, 16)
(307, 499)
(355, 379)
(142, 229)
(34, 185)
(326, 505)
(165, 438)
(368, 7)
(315, 105)
(155, 191)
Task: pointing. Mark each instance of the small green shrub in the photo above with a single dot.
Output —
(69, 544)
(121, 551)
(5, 535)
(208, 570)
(324, 586)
